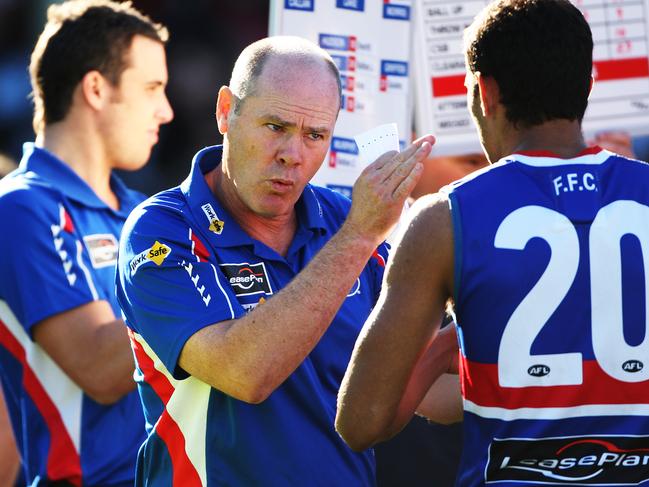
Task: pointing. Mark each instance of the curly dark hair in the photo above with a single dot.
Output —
(540, 52)
(82, 36)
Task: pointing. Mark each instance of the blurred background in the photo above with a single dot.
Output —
(205, 38)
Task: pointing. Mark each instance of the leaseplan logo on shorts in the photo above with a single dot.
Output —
(588, 460)
(157, 253)
(216, 224)
(247, 279)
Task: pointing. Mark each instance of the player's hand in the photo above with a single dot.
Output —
(383, 187)
(448, 334)
(618, 142)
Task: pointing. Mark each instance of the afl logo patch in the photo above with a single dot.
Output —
(538, 370)
(632, 366)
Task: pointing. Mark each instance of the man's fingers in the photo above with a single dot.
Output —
(401, 168)
(389, 161)
(408, 183)
(383, 160)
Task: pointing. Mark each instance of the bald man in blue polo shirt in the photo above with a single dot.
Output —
(245, 287)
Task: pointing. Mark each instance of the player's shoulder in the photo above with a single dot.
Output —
(431, 212)
(617, 160)
(25, 192)
(480, 177)
(166, 211)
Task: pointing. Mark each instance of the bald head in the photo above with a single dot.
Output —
(268, 56)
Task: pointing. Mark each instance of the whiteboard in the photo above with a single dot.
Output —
(620, 96)
(370, 42)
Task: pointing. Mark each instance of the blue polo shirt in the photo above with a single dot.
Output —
(186, 264)
(58, 251)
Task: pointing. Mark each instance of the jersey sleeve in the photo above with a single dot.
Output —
(376, 266)
(42, 264)
(168, 285)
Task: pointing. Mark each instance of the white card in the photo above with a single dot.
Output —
(376, 142)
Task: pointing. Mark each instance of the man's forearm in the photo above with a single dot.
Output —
(251, 356)
(92, 348)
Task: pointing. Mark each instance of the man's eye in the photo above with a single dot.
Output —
(315, 136)
(274, 127)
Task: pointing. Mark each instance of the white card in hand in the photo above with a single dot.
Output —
(376, 142)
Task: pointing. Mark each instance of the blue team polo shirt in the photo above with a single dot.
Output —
(59, 251)
(186, 264)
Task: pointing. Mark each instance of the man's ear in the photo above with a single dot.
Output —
(489, 94)
(95, 89)
(224, 105)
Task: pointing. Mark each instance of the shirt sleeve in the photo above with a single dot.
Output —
(168, 285)
(376, 265)
(42, 263)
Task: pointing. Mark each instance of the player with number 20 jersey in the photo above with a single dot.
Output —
(557, 262)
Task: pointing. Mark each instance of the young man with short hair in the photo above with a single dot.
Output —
(98, 75)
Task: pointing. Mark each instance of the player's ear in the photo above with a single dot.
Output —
(489, 94)
(224, 108)
(93, 89)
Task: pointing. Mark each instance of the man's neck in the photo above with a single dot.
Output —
(83, 151)
(561, 137)
(276, 232)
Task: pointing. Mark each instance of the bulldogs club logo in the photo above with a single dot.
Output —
(592, 460)
(247, 279)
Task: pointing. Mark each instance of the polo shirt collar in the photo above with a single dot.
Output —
(212, 215)
(61, 176)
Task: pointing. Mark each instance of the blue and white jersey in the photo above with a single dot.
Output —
(59, 251)
(551, 288)
(185, 264)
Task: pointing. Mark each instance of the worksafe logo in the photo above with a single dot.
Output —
(247, 279)
(216, 224)
(157, 253)
(592, 460)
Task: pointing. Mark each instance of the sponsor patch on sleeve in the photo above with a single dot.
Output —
(157, 253)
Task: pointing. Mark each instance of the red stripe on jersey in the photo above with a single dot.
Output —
(63, 461)
(184, 472)
(199, 249)
(480, 385)
(66, 221)
(157, 380)
(379, 258)
(546, 153)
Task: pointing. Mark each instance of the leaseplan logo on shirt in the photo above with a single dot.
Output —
(157, 253)
(588, 460)
(216, 224)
